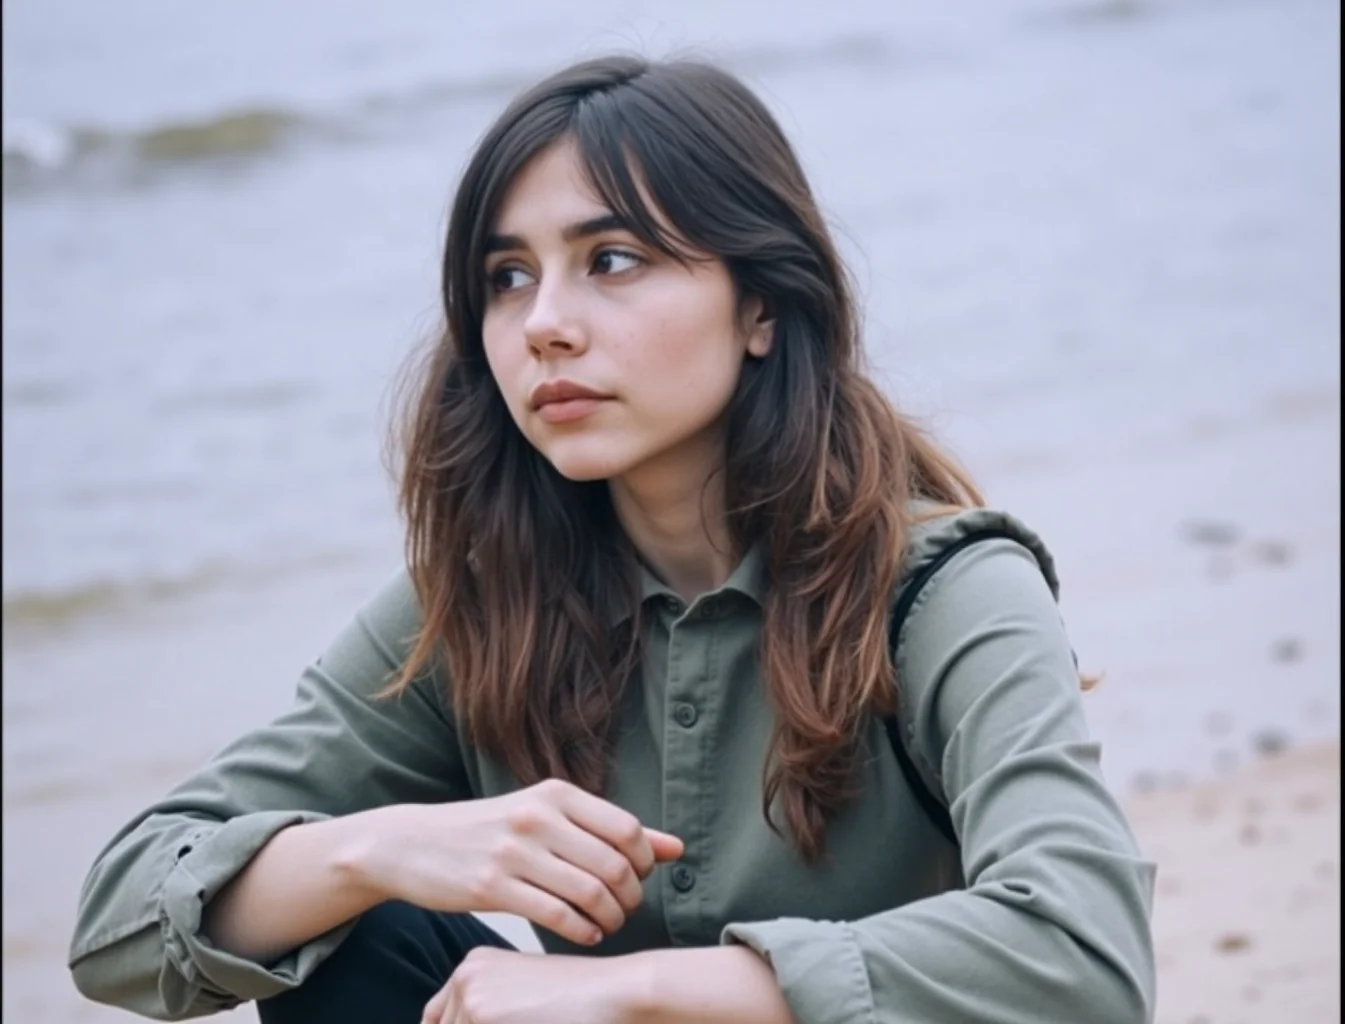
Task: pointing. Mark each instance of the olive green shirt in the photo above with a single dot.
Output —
(1042, 915)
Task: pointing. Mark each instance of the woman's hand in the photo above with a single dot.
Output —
(496, 986)
(560, 857)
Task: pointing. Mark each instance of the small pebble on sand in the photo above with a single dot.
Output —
(1308, 803)
(1270, 742)
(1232, 942)
(1272, 552)
(1144, 782)
(1286, 649)
(1209, 532)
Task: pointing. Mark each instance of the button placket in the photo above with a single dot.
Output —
(683, 768)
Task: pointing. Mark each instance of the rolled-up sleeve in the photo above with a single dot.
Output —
(338, 749)
(1054, 923)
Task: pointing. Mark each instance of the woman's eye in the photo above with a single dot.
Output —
(614, 261)
(507, 279)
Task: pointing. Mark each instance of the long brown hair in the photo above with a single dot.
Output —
(518, 570)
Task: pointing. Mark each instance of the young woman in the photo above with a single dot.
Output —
(635, 682)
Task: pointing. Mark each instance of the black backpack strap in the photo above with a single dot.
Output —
(933, 806)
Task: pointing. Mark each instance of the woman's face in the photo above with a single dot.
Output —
(611, 357)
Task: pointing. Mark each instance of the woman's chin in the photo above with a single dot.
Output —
(586, 466)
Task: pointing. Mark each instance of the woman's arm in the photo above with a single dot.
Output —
(139, 942)
(725, 984)
(667, 986)
(552, 853)
(306, 881)
(239, 883)
(1054, 922)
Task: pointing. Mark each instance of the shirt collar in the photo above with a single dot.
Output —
(748, 579)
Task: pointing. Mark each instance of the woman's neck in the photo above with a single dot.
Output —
(674, 515)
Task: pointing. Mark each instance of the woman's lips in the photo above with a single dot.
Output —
(564, 401)
(569, 410)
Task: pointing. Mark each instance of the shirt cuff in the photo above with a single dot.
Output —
(818, 966)
(207, 860)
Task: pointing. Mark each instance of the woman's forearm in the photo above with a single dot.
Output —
(306, 881)
(723, 984)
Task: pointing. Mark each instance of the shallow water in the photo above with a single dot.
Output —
(1098, 246)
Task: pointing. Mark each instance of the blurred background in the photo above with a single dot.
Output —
(1097, 245)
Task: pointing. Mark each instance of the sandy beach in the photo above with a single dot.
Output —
(1247, 909)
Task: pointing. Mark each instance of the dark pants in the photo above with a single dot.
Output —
(392, 963)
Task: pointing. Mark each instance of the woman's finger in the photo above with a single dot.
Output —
(453, 1011)
(579, 888)
(549, 912)
(436, 1010)
(616, 827)
(601, 861)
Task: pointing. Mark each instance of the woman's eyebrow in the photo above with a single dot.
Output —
(570, 233)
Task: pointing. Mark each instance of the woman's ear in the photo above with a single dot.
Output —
(760, 326)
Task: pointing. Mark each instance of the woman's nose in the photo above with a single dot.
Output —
(552, 327)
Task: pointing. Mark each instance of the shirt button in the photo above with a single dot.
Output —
(683, 878)
(685, 715)
(674, 605)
